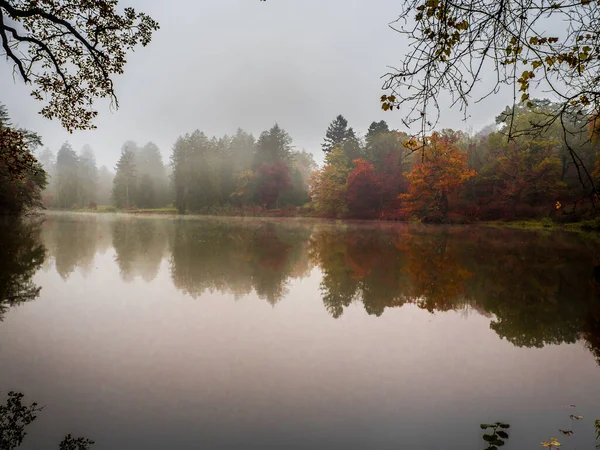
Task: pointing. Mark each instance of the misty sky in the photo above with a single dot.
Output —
(216, 65)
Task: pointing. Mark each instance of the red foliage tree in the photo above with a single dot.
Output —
(364, 194)
(393, 182)
(272, 180)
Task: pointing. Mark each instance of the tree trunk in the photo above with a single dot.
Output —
(445, 207)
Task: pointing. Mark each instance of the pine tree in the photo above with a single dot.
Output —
(352, 146)
(273, 146)
(88, 174)
(149, 164)
(335, 134)
(375, 129)
(125, 181)
(68, 183)
(195, 179)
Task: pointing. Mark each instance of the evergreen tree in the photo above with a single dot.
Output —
(335, 134)
(273, 146)
(88, 174)
(105, 184)
(195, 178)
(375, 129)
(48, 160)
(68, 182)
(241, 149)
(152, 172)
(352, 146)
(125, 181)
(146, 192)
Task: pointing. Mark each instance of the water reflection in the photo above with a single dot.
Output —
(139, 246)
(538, 288)
(360, 335)
(237, 258)
(21, 255)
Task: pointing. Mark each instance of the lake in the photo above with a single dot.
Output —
(186, 333)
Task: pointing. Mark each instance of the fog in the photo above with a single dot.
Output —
(217, 65)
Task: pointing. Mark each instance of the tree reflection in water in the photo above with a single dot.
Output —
(22, 254)
(538, 288)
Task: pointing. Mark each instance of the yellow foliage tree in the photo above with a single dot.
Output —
(328, 185)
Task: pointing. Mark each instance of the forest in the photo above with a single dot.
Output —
(451, 176)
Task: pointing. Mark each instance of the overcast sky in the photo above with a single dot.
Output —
(216, 65)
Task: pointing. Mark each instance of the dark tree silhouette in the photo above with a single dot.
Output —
(69, 50)
(336, 133)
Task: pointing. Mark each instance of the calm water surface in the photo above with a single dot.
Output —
(165, 333)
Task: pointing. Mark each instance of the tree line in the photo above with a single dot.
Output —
(203, 173)
(239, 170)
(454, 176)
(449, 176)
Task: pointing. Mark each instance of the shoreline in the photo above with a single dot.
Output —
(587, 226)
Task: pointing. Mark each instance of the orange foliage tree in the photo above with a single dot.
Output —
(439, 175)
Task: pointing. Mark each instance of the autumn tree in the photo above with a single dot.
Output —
(561, 137)
(452, 45)
(273, 179)
(70, 50)
(530, 173)
(364, 190)
(328, 185)
(392, 176)
(22, 177)
(440, 174)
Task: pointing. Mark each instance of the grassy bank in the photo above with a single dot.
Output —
(226, 211)
(547, 224)
(100, 209)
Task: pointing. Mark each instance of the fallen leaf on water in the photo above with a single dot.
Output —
(575, 417)
(566, 432)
